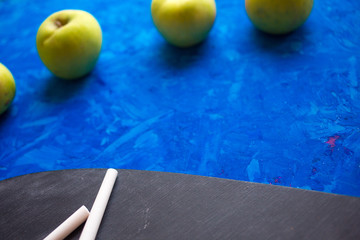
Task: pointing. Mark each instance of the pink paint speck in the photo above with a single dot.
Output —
(277, 179)
(332, 141)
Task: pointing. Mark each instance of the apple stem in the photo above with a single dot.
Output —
(59, 23)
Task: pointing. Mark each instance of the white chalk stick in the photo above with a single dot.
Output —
(97, 211)
(69, 225)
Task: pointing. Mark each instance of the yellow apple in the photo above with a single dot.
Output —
(278, 16)
(7, 88)
(183, 23)
(69, 43)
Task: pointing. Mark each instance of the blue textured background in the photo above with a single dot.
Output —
(242, 105)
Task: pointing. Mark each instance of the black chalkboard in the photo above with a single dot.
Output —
(157, 205)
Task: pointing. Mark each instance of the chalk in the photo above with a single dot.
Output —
(97, 211)
(69, 225)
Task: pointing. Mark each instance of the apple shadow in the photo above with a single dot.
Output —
(180, 58)
(59, 90)
(5, 116)
(279, 44)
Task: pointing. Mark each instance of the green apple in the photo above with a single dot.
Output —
(278, 16)
(183, 23)
(69, 43)
(7, 88)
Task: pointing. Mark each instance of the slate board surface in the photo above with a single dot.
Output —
(156, 205)
(242, 105)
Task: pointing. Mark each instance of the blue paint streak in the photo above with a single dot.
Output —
(242, 105)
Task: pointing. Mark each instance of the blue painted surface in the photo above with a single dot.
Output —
(242, 105)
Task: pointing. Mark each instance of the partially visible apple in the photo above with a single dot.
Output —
(7, 88)
(183, 23)
(69, 43)
(278, 16)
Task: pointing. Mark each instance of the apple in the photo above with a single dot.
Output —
(278, 16)
(7, 88)
(69, 43)
(183, 23)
